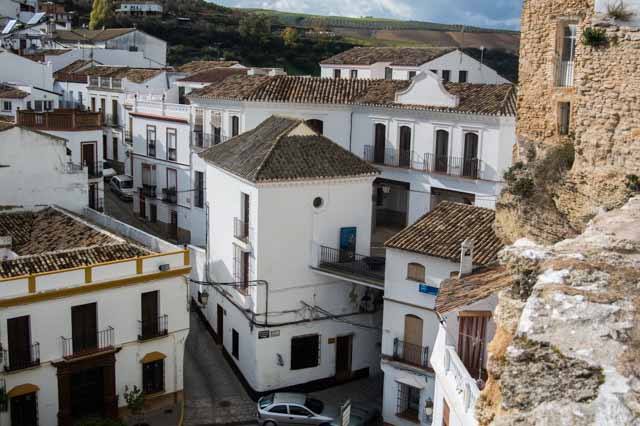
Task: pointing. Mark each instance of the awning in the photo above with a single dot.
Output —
(22, 390)
(153, 356)
(413, 380)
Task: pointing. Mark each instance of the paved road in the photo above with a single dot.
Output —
(213, 394)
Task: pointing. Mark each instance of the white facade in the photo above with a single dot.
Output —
(21, 71)
(139, 8)
(38, 171)
(451, 63)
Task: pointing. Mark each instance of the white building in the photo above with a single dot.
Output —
(36, 168)
(139, 7)
(76, 331)
(452, 239)
(459, 359)
(404, 63)
(82, 131)
(277, 197)
(25, 72)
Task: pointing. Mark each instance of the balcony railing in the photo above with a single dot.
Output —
(151, 148)
(149, 329)
(429, 163)
(170, 195)
(348, 262)
(147, 190)
(60, 120)
(26, 360)
(201, 140)
(105, 82)
(564, 73)
(410, 353)
(241, 229)
(112, 120)
(89, 344)
(128, 136)
(466, 386)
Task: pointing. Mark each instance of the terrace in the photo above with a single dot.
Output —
(60, 120)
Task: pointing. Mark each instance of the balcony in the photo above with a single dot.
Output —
(151, 148)
(470, 168)
(148, 191)
(112, 120)
(105, 83)
(411, 354)
(241, 229)
(150, 329)
(170, 195)
(88, 344)
(201, 140)
(457, 375)
(564, 73)
(60, 120)
(352, 266)
(30, 358)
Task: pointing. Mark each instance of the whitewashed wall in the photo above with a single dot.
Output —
(16, 69)
(458, 61)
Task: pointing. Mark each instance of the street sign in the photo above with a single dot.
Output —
(427, 289)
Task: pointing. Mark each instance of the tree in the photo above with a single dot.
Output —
(101, 12)
(290, 37)
(135, 401)
(255, 27)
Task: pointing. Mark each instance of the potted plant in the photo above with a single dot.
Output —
(135, 403)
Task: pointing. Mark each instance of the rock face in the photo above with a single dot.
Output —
(604, 125)
(567, 348)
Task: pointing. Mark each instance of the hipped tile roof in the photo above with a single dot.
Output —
(271, 153)
(198, 66)
(486, 99)
(85, 35)
(135, 75)
(398, 56)
(10, 92)
(213, 75)
(440, 233)
(456, 293)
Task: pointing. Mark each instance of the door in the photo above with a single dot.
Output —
(245, 269)
(344, 347)
(173, 226)
(93, 196)
(88, 157)
(471, 337)
(24, 410)
(143, 210)
(114, 111)
(404, 154)
(300, 415)
(87, 393)
(412, 346)
(114, 147)
(84, 328)
(379, 147)
(19, 335)
(103, 109)
(348, 243)
(149, 302)
(245, 214)
(470, 166)
(104, 148)
(220, 319)
(442, 151)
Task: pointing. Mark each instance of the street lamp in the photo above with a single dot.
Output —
(204, 298)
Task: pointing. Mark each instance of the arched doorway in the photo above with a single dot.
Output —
(471, 163)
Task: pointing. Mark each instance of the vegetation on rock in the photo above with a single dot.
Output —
(594, 37)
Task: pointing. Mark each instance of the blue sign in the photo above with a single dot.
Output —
(427, 289)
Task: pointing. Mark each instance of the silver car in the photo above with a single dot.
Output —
(122, 185)
(291, 409)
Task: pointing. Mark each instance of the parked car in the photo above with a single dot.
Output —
(122, 185)
(291, 408)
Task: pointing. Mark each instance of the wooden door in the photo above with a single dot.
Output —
(114, 147)
(412, 347)
(344, 348)
(471, 335)
(149, 303)
(404, 154)
(470, 166)
(246, 208)
(19, 335)
(379, 147)
(84, 326)
(173, 226)
(24, 410)
(88, 157)
(442, 151)
(220, 320)
(87, 393)
(143, 210)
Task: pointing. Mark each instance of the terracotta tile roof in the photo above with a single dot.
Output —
(270, 152)
(74, 72)
(5, 125)
(50, 240)
(197, 66)
(39, 56)
(456, 293)
(135, 75)
(10, 92)
(81, 34)
(441, 232)
(486, 99)
(399, 56)
(213, 75)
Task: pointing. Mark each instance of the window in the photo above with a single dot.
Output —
(379, 148)
(564, 114)
(217, 135)
(408, 404)
(471, 341)
(241, 269)
(442, 151)
(114, 147)
(567, 47)
(20, 349)
(404, 152)
(6, 106)
(388, 73)
(48, 105)
(354, 74)
(93, 104)
(235, 350)
(296, 410)
(279, 409)
(172, 145)
(150, 324)
(104, 147)
(463, 76)
(318, 202)
(153, 377)
(471, 163)
(416, 272)
(446, 76)
(199, 189)
(235, 125)
(316, 125)
(153, 213)
(412, 75)
(114, 112)
(305, 352)
(38, 106)
(151, 141)
(336, 73)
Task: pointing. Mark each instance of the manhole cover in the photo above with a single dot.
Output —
(224, 404)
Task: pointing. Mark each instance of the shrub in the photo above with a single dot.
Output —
(633, 183)
(594, 37)
(511, 174)
(619, 11)
(522, 187)
(556, 162)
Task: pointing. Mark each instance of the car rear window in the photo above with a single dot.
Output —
(280, 409)
(314, 405)
(266, 401)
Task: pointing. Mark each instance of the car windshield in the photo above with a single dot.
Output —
(265, 401)
(126, 184)
(314, 405)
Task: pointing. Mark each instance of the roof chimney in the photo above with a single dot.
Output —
(466, 258)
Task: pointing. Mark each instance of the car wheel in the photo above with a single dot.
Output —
(269, 423)
(324, 424)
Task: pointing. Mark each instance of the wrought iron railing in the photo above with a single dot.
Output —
(156, 327)
(241, 229)
(170, 195)
(391, 157)
(147, 190)
(352, 263)
(410, 353)
(30, 358)
(87, 344)
(151, 148)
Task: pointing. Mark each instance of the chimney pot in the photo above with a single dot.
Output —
(466, 257)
